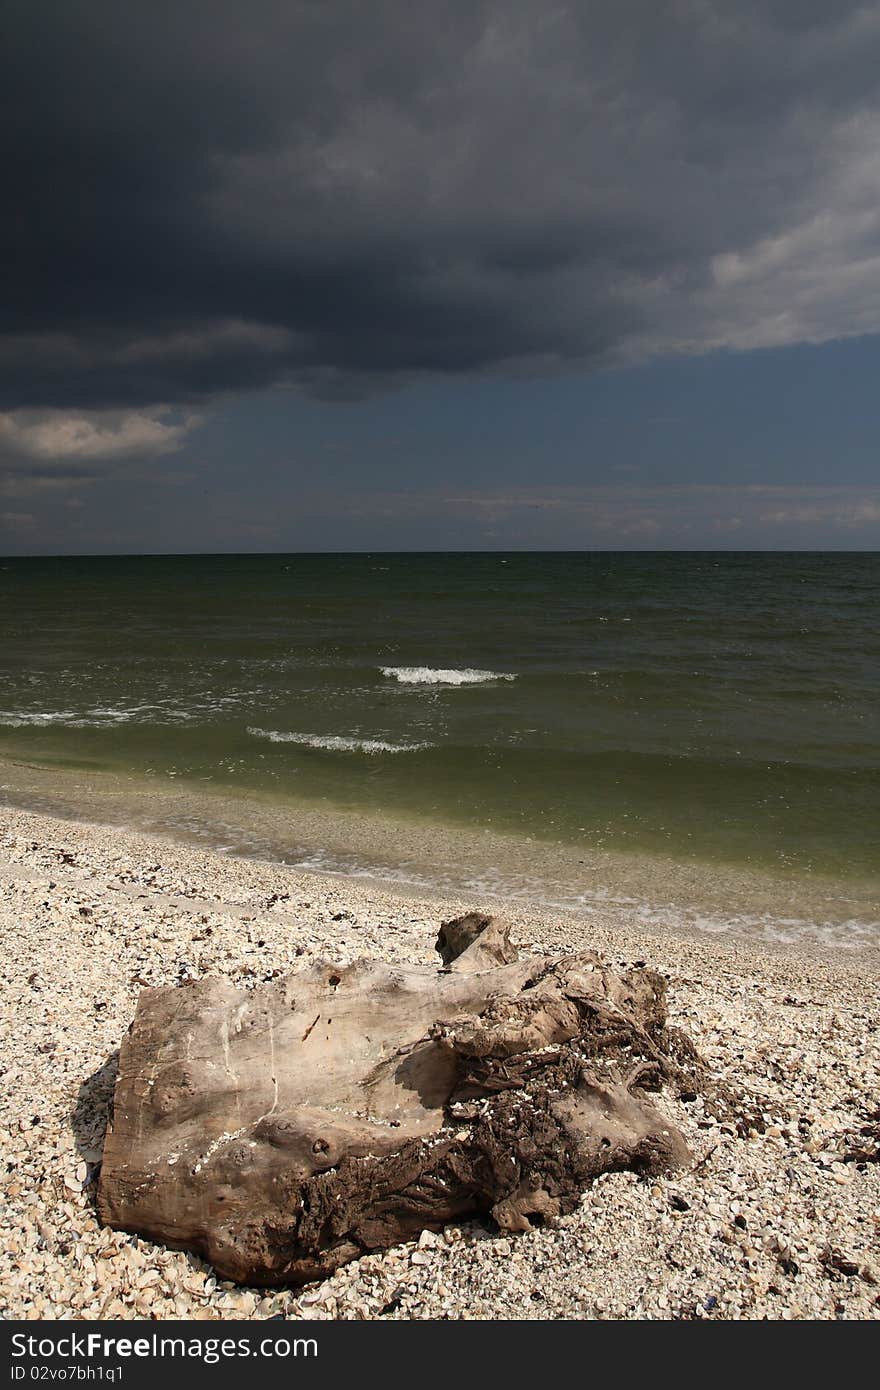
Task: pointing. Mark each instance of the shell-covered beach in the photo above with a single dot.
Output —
(778, 1220)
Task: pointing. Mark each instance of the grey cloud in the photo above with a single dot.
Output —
(211, 198)
(28, 483)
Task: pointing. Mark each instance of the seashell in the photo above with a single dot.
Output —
(313, 1296)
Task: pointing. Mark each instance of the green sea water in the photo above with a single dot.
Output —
(712, 709)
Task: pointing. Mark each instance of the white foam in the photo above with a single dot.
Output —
(430, 675)
(19, 718)
(98, 718)
(129, 714)
(337, 743)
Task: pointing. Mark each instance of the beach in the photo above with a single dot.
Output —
(439, 669)
(768, 1223)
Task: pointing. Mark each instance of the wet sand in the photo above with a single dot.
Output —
(433, 860)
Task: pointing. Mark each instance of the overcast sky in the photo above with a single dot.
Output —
(336, 275)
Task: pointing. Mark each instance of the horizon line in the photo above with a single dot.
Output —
(522, 550)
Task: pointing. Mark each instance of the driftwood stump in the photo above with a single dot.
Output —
(284, 1130)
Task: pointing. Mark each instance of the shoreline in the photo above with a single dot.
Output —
(90, 914)
(434, 861)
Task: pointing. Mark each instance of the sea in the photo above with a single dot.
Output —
(688, 737)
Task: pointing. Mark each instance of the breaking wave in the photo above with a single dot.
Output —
(430, 675)
(19, 719)
(336, 743)
(98, 718)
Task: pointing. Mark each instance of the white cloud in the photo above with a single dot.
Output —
(64, 435)
(838, 508)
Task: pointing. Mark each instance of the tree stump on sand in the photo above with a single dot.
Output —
(283, 1130)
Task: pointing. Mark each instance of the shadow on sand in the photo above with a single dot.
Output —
(91, 1115)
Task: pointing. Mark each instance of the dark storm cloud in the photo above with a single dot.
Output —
(216, 197)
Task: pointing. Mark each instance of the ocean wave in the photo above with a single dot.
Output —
(20, 718)
(430, 675)
(98, 718)
(337, 743)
